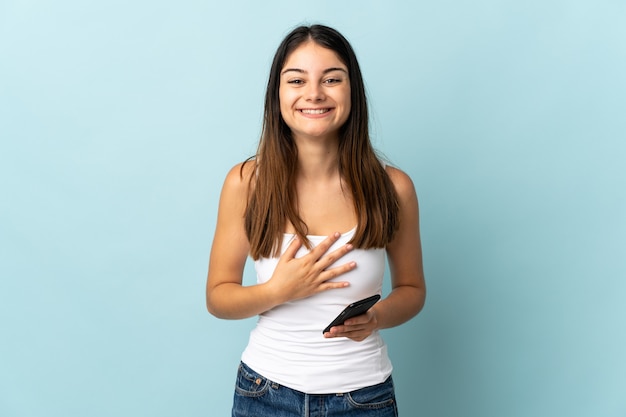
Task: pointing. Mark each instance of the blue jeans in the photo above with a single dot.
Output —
(257, 396)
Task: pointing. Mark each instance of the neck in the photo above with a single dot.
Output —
(318, 160)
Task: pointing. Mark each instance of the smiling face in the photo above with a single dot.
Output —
(314, 92)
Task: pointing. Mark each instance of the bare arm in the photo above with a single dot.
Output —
(407, 275)
(404, 254)
(293, 278)
(229, 252)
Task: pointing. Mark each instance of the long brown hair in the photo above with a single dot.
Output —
(272, 199)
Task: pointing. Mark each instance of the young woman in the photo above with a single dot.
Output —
(317, 210)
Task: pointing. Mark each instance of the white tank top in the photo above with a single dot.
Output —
(287, 345)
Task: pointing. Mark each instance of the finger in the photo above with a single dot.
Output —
(293, 248)
(323, 247)
(359, 337)
(368, 317)
(356, 320)
(333, 273)
(334, 331)
(333, 285)
(345, 330)
(356, 335)
(333, 256)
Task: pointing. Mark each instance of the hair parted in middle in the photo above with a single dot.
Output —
(272, 199)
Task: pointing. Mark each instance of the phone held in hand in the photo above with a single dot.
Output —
(355, 309)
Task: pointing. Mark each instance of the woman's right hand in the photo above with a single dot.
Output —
(296, 278)
(293, 277)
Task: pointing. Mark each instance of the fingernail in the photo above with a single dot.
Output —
(349, 246)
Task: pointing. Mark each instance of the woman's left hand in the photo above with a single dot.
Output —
(357, 328)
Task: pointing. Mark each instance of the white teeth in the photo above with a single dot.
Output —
(314, 111)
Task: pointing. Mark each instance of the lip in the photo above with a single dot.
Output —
(315, 112)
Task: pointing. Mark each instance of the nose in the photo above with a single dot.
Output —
(314, 92)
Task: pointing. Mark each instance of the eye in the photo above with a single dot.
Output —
(332, 80)
(295, 81)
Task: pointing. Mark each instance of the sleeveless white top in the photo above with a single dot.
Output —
(287, 345)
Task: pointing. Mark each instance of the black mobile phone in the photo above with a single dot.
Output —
(354, 309)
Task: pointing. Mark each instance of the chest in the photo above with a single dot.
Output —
(326, 211)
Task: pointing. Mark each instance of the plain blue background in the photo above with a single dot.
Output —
(119, 121)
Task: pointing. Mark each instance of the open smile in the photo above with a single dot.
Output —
(315, 111)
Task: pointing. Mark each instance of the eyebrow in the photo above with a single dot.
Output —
(301, 71)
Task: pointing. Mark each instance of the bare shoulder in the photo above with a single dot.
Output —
(402, 182)
(234, 195)
(238, 178)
